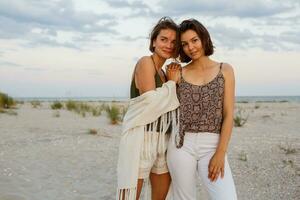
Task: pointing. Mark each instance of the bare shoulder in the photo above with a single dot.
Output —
(227, 70)
(227, 67)
(145, 65)
(144, 60)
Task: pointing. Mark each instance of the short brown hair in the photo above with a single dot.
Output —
(164, 23)
(203, 34)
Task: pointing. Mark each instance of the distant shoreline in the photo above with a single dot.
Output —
(239, 99)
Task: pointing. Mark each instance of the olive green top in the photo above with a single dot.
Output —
(134, 92)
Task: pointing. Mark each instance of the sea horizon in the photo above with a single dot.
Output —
(239, 99)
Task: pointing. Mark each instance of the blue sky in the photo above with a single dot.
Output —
(64, 48)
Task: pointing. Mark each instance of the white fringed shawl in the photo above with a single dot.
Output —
(143, 110)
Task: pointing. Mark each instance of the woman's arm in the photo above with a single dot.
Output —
(228, 108)
(144, 75)
(216, 165)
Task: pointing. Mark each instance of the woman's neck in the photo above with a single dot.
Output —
(202, 63)
(159, 61)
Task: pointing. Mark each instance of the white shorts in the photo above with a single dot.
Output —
(157, 162)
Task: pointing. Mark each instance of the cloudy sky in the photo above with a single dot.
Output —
(65, 48)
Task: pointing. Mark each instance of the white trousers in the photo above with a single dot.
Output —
(191, 161)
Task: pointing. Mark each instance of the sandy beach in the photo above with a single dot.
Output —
(49, 156)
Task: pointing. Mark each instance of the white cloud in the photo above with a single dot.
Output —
(238, 8)
(89, 48)
(21, 18)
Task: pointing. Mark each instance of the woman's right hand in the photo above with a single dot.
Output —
(173, 71)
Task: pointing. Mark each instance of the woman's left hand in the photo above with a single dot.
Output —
(216, 166)
(173, 71)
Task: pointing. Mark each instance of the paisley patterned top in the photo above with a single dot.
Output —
(201, 106)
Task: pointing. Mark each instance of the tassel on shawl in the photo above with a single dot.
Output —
(160, 126)
(126, 194)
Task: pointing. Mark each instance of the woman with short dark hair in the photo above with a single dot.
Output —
(206, 95)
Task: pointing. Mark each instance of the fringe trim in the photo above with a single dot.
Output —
(166, 120)
(126, 194)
